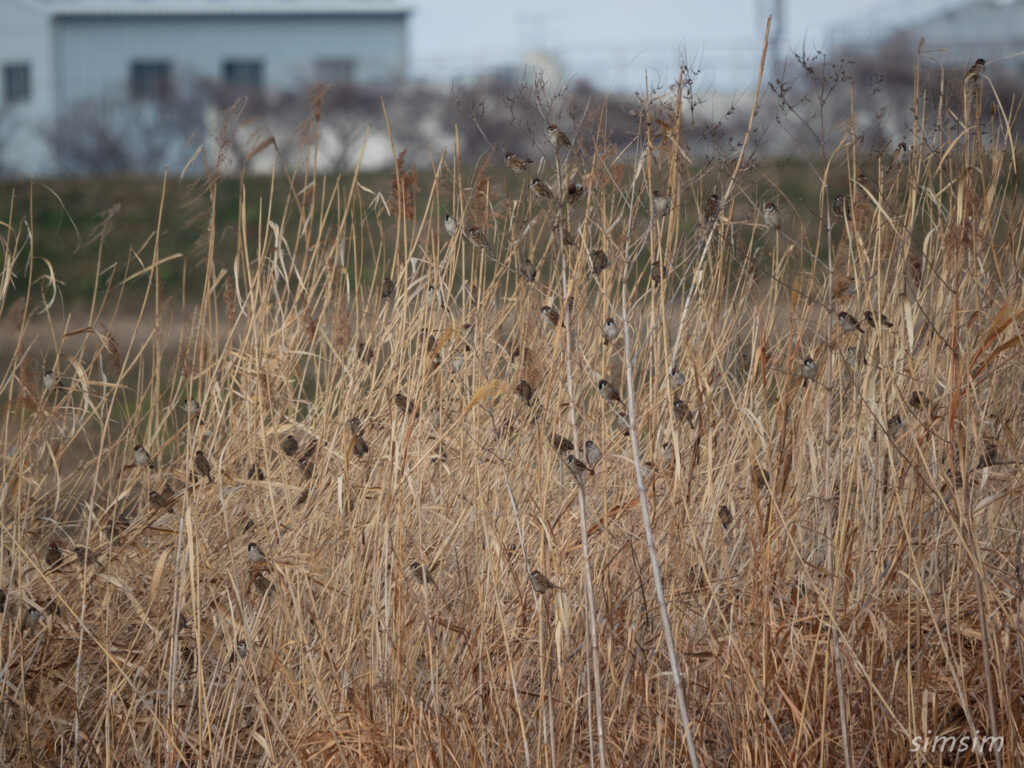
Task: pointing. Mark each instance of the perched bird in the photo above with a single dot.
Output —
(355, 426)
(869, 318)
(241, 649)
(598, 261)
(541, 190)
(557, 137)
(841, 207)
(658, 272)
(32, 617)
(451, 225)
(541, 583)
(141, 457)
(52, 381)
(478, 239)
(894, 425)
(610, 330)
(3, 600)
(192, 408)
(525, 391)
(421, 573)
(261, 580)
(772, 216)
(725, 516)
(559, 228)
(848, 323)
(403, 403)
(808, 370)
(290, 445)
(975, 72)
(620, 423)
(608, 391)
(760, 476)
(561, 444)
(255, 473)
(528, 271)
(157, 499)
(515, 163)
(710, 210)
(551, 315)
(676, 378)
(577, 467)
(574, 193)
(254, 553)
(668, 453)
(989, 456)
(203, 466)
(682, 412)
(85, 557)
(917, 400)
(900, 155)
(660, 203)
(387, 288)
(53, 554)
(458, 360)
(591, 452)
(359, 446)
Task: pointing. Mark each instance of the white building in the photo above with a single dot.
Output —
(56, 55)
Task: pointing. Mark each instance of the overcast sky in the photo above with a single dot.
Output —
(612, 42)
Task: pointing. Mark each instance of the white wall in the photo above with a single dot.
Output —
(25, 37)
(94, 54)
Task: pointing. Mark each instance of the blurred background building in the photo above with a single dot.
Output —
(59, 55)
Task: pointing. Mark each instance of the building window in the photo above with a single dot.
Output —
(334, 70)
(151, 79)
(247, 75)
(16, 83)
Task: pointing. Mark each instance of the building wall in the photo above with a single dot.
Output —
(25, 37)
(94, 53)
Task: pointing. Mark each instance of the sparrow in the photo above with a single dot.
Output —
(451, 226)
(261, 581)
(577, 467)
(404, 403)
(32, 617)
(387, 288)
(459, 359)
(917, 400)
(559, 228)
(848, 323)
(53, 554)
(660, 203)
(241, 649)
(420, 573)
(899, 157)
(620, 423)
(676, 377)
(52, 381)
(541, 583)
(359, 446)
(668, 453)
(525, 391)
(203, 466)
(550, 314)
(290, 445)
(760, 476)
(658, 273)
(3, 600)
(515, 163)
(254, 553)
(975, 72)
(869, 318)
(561, 444)
(608, 391)
(364, 352)
(591, 452)
(841, 207)
(598, 261)
(477, 238)
(574, 193)
(141, 457)
(557, 138)
(710, 210)
(192, 408)
(355, 426)
(682, 412)
(725, 516)
(772, 216)
(610, 330)
(528, 271)
(255, 472)
(157, 499)
(541, 190)
(989, 456)
(808, 370)
(895, 425)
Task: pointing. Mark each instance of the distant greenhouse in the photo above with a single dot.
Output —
(69, 67)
